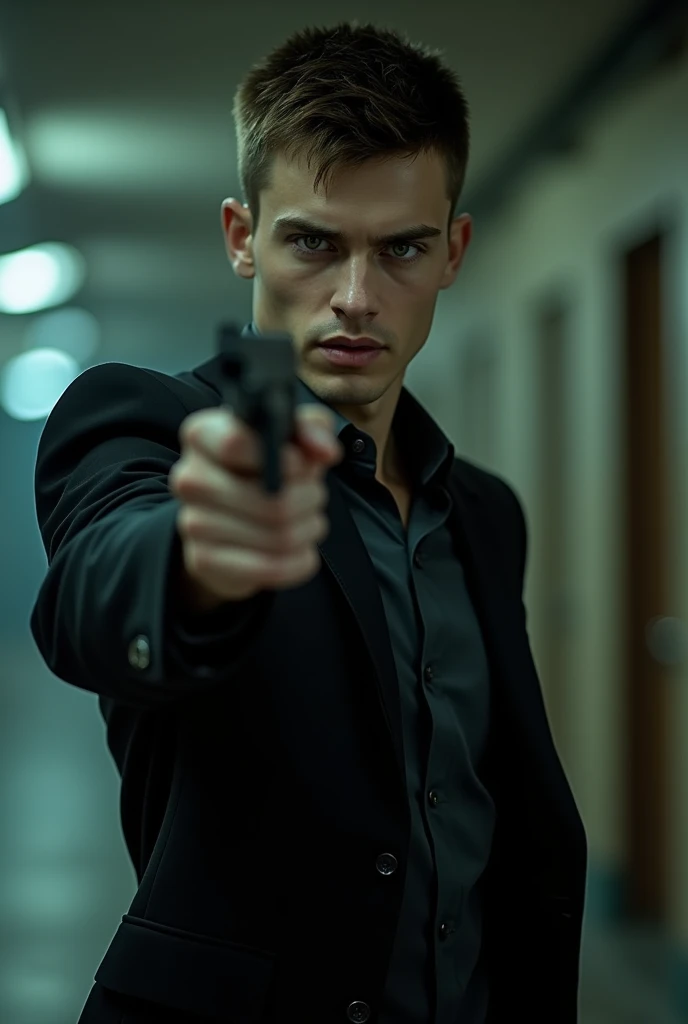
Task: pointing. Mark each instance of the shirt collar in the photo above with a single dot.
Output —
(429, 452)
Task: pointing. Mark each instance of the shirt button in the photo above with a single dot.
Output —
(358, 445)
(358, 1012)
(428, 674)
(139, 652)
(433, 797)
(386, 863)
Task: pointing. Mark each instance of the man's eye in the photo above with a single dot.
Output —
(308, 239)
(312, 244)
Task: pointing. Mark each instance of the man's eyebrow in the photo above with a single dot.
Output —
(411, 234)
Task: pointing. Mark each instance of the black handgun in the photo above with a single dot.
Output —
(260, 375)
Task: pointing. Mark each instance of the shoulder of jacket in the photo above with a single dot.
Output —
(110, 381)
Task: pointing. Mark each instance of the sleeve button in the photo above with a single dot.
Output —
(139, 652)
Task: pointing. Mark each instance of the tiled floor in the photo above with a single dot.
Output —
(65, 879)
(627, 979)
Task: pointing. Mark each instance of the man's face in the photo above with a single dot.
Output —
(316, 286)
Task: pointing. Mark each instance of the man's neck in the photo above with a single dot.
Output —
(390, 467)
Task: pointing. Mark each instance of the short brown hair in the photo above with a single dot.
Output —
(344, 95)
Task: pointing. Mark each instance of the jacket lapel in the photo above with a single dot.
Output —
(482, 547)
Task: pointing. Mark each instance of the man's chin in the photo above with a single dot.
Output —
(344, 388)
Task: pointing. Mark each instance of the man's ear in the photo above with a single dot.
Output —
(237, 228)
(460, 234)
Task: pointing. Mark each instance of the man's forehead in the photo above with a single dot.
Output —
(363, 200)
(401, 178)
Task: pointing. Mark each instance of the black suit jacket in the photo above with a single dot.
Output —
(262, 782)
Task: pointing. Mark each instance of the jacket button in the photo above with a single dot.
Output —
(358, 1012)
(358, 445)
(444, 931)
(386, 863)
(433, 797)
(417, 561)
(139, 652)
(428, 674)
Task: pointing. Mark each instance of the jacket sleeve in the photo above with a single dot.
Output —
(105, 618)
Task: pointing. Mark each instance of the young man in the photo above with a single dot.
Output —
(339, 788)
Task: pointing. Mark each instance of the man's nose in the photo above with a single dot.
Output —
(353, 296)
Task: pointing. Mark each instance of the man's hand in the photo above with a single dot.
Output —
(238, 540)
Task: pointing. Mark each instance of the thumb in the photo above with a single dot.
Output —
(315, 433)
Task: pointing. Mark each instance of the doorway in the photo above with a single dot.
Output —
(646, 589)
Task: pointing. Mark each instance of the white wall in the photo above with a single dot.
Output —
(560, 231)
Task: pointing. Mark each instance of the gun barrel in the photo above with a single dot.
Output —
(260, 388)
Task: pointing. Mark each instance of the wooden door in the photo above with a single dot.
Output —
(646, 586)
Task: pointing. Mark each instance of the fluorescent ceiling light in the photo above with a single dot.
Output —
(31, 383)
(14, 168)
(40, 277)
(112, 149)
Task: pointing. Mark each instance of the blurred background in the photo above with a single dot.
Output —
(559, 360)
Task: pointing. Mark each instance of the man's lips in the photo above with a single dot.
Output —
(341, 342)
(340, 354)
